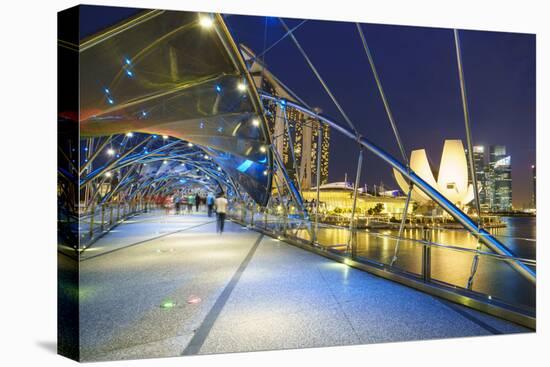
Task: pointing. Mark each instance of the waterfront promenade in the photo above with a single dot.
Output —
(158, 286)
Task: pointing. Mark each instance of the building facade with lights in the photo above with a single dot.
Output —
(500, 178)
(494, 177)
(295, 137)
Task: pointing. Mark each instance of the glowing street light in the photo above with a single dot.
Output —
(130, 134)
(165, 137)
(189, 145)
(263, 149)
(108, 174)
(206, 21)
(241, 87)
(111, 151)
(256, 122)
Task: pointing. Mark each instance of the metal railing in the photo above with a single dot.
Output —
(99, 219)
(445, 270)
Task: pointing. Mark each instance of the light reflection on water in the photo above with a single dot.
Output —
(493, 277)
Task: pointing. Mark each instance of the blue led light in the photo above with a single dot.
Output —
(110, 100)
(143, 113)
(154, 136)
(107, 91)
(263, 160)
(218, 88)
(283, 102)
(127, 61)
(129, 73)
(201, 125)
(85, 149)
(244, 166)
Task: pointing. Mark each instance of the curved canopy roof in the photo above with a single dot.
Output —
(178, 74)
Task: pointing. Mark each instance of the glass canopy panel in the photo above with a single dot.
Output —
(162, 73)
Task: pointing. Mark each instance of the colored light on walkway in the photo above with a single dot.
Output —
(193, 300)
(168, 304)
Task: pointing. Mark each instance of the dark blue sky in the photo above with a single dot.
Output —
(418, 70)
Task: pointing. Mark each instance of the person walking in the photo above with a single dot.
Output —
(190, 202)
(210, 203)
(197, 202)
(183, 203)
(177, 201)
(221, 208)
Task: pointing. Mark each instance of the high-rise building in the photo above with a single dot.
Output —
(494, 178)
(500, 179)
(288, 125)
(481, 175)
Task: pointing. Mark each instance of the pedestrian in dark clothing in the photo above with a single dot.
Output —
(197, 202)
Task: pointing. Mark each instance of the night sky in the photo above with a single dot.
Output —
(418, 70)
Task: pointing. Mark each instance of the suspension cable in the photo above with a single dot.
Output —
(266, 50)
(467, 124)
(344, 115)
(382, 94)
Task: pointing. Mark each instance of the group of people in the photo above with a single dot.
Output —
(181, 200)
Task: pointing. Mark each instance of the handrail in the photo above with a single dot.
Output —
(530, 262)
(484, 236)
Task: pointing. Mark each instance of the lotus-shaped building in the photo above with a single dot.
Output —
(452, 178)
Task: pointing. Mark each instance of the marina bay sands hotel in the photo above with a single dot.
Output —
(302, 129)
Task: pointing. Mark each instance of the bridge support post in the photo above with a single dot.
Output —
(473, 270)
(92, 215)
(318, 183)
(402, 225)
(102, 218)
(426, 256)
(352, 227)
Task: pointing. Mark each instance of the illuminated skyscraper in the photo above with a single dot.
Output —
(481, 176)
(287, 123)
(500, 179)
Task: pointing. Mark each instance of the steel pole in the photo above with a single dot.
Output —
(435, 195)
(355, 189)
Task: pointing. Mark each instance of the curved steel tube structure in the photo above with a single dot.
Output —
(482, 235)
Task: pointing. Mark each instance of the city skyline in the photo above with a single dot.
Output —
(196, 178)
(423, 91)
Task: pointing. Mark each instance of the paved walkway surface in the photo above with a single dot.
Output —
(242, 291)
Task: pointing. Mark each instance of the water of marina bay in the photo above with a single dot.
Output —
(493, 277)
